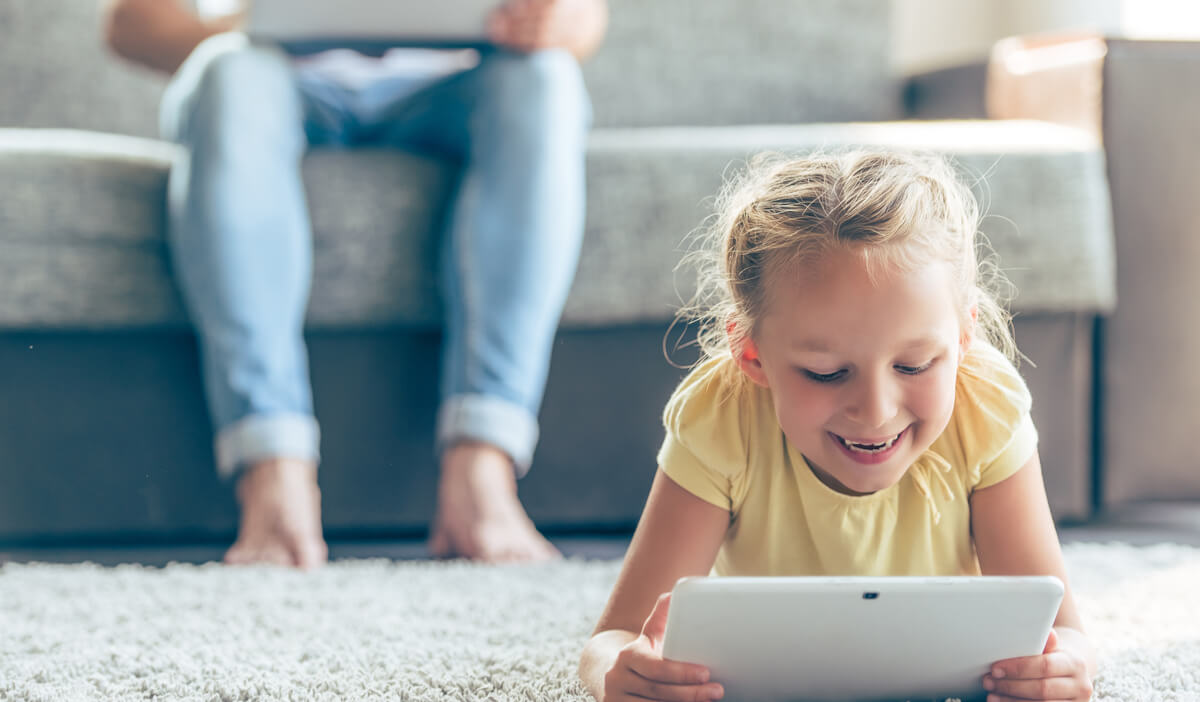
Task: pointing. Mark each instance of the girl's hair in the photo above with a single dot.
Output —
(893, 207)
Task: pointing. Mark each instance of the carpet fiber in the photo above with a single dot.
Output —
(449, 631)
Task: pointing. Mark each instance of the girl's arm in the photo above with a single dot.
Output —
(678, 535)
(1015, 535)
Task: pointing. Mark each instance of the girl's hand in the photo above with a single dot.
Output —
(640, 672)
(1060, 673)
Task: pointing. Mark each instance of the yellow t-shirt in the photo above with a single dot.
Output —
(725, 446)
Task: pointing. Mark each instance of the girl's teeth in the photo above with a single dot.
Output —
(870, 448)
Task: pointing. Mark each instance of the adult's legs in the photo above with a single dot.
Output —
(519, 124)
(241, 246)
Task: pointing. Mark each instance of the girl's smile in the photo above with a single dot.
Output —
(870, 451)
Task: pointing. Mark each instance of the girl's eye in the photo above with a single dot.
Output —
(823, 377)
(914, 370)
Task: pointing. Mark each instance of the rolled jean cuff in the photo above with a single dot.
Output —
(507, 426)
(263, 436)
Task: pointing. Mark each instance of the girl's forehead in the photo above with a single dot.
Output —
(845, 297)
(857, 270)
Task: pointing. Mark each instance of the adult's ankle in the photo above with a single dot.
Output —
(274, 469)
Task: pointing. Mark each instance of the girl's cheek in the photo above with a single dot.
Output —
(935, 399)
(809, 407)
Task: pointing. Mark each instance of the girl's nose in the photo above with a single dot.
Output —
(874, 405)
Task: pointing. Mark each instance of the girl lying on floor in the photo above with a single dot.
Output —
(857, 412)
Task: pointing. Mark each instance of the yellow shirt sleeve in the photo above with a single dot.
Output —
(1015, 455)
(705, 449)
(993, 417)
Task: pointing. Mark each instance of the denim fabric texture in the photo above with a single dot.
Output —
(241, 241)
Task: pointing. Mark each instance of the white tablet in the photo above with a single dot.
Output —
(808, 638)
(317, 24)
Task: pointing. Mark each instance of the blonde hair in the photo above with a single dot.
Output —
(894, 207)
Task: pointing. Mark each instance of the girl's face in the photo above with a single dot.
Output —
(861, 371)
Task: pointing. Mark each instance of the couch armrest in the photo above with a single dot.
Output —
(1151, 113)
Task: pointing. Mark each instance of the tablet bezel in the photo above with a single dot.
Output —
(371, 26)
(857, 638)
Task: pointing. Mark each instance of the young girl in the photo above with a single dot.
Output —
(857, 413)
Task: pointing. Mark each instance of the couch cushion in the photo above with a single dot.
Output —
(82, 221)
(683, 62)
(665, 62)
(59, 74)
(1043, 189)
(83, 218)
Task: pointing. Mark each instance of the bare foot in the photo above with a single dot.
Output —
(281, 516)
(479, 515)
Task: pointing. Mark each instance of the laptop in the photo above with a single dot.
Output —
(371, 26)
(857, 638)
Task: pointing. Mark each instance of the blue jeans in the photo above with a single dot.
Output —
(240, 236)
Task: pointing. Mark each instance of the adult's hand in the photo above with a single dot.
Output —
(158, 34)
(529, 25)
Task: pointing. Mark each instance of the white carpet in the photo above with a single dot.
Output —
(449, 631)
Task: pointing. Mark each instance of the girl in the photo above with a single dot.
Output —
(857, 413)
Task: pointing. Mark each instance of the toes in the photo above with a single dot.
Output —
(505, 540)
(242, 554)
(310, 554)
(276, 555)
(549, 552)
(439, 543)
(537, 551)
(237, 554)
(516, 546)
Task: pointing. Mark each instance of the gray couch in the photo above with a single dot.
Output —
(1151, 343)
(103, 431)
(1146, 347)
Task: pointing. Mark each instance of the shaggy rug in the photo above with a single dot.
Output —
(376, 629)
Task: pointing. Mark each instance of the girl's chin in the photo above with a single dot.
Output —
(855, 484)
(858, 480)
(868, 487)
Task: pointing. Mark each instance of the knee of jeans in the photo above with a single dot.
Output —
(543, 87)
(242, 92)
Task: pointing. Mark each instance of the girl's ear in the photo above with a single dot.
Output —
(967, 336)
(747, 359)
(745, 354)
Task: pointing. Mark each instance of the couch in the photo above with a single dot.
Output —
(103, 431)
(1140, 103)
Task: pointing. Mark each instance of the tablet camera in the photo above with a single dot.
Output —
(870, 595)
